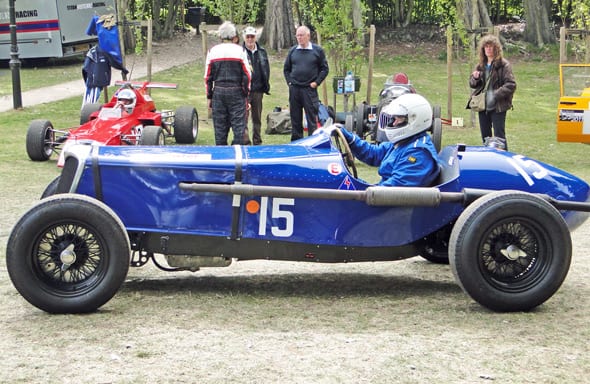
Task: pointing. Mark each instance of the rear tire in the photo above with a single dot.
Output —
(359, 124)
(40, 140)
(68, 254)
(437, 133)
(349, 123)
(186, 125)
(436, 112)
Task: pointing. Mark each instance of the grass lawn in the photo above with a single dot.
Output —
(530, 126)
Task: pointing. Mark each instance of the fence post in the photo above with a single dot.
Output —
(371, 60)
(562, 45)
(449, 72)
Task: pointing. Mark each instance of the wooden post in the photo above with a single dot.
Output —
(562, 45)
(148, 22)
(324, 86)
(449, 72)
(121, 27)
(204, 43)
(371, 61)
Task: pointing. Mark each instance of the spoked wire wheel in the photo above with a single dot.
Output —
(68, 254)
(510, 250)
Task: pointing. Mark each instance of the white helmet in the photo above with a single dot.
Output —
(126, 97)
(406, 116)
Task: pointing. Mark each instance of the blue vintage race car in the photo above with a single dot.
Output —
(501, 219)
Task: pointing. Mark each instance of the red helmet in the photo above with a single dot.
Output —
(401, 78)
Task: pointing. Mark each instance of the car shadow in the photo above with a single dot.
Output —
(316, 285)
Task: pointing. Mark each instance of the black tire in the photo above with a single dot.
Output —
(359, 122)
(510, 251)
(152, 135)
(349, 123)
(87, 110)
(436, 112)
(186, 125)
(51, 188)
(436, 246)
(68, 254)
(437, 133)
(40, 140)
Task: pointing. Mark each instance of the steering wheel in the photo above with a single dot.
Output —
(340, 142)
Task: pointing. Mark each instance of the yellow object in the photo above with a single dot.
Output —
(573, 111)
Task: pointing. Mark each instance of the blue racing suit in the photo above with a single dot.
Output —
(412, 162)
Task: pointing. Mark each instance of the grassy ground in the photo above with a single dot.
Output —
(530, 126)
(259, 322)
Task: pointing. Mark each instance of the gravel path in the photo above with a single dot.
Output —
(180, 50)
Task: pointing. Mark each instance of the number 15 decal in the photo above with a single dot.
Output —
(520, 164)
(278, 211)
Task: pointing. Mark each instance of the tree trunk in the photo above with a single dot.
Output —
(279, 27)
(538, 30)
(475, 14)
(157, 27)
(171, 17)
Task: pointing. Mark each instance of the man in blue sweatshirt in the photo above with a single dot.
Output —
(305, 68)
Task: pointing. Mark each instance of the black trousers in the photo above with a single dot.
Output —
(229, 110)
(489, 120)
(300, 99)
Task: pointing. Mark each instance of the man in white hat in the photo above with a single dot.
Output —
(260, 80)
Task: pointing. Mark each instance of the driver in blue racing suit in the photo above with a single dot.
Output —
(405, 155)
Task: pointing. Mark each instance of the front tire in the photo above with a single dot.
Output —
(51, 188)
(186, 125)
(510, 251)
(87, 110)
(40, 140)
(68, 254)
(152, 135)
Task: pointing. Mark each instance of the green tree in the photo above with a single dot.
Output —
(341, 27)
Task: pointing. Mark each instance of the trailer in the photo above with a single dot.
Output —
(47, 29)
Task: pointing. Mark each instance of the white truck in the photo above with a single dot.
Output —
(51, 28)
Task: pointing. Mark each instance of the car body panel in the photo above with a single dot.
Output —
(500, 220)
(143, 186)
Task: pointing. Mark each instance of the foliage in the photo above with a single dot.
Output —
(572, 13)
(237, 11)
(580, 14)
(340, 38)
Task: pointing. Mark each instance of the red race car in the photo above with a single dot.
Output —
(130, 118)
